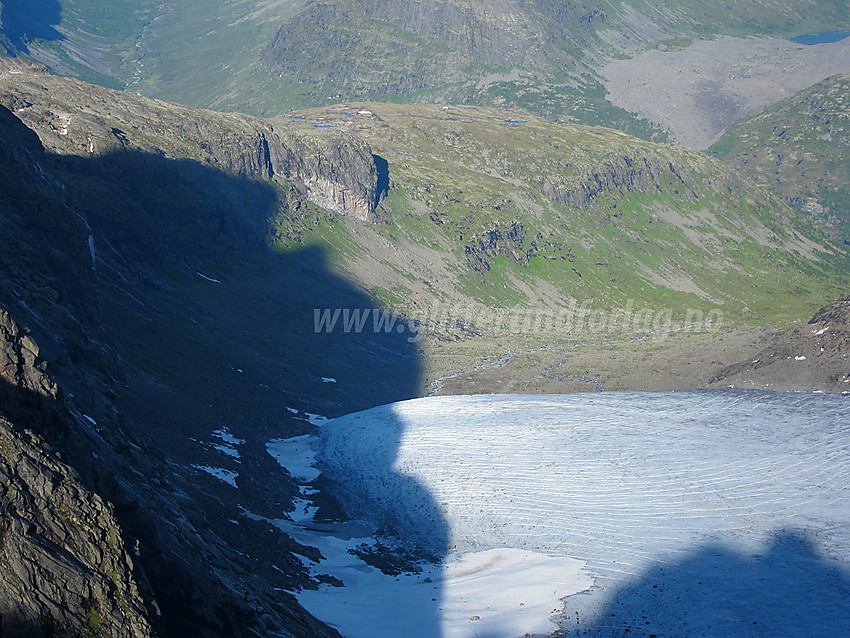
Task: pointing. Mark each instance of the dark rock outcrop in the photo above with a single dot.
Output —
(509, 240)
(836, 314)
(64, 565)
(643, 173)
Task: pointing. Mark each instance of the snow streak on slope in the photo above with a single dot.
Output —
(629, 483)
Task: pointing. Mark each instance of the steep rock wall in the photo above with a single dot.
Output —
(64, 567)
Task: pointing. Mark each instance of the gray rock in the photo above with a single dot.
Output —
(64, 567)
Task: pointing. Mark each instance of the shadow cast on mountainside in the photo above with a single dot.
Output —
(790, 589)
(151, 287)
(24, 22)
(24, 628)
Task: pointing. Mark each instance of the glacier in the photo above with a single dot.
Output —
(700, 513)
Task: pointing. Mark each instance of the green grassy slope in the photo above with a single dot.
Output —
(506, 211)
(495, 210)
(800, 149)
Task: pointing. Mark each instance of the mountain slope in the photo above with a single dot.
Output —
(99, 259)
(377, 48)
(798, 148)
(265, 57)
(697, 92)
(808, 357)
(66, 567)
(496, 212)
(494, 206)
(534, 55)
(509, 210)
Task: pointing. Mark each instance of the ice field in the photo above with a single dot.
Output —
(701, 514)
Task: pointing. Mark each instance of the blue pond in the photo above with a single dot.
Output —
(822, 38)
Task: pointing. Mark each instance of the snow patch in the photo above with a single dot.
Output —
(228, 476)
(498, 593)
(226, 449)
(512, 592)
(228, 444)
(312, 419)
(304, 510)
(224, 434)
(203, 276)
(297, 455)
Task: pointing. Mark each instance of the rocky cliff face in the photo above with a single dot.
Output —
(64, 567)
(334, 172)
(72, 118)
(103, 534)
(435, 43)
(89, 546)
(644, 172)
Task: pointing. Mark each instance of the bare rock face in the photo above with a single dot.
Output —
(644, 173)
(371, 48)
(63, 564)
(64, 568)
(90, 547)
(26, 392)
(336, 173)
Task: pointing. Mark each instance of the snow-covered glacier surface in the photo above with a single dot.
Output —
(701, 513)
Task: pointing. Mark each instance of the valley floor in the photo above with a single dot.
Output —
(696, 92)
(786, 359)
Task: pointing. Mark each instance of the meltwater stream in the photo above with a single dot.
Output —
(696, 513)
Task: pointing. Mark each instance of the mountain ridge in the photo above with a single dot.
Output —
(230, 63)
(505, 184)
(345, 182)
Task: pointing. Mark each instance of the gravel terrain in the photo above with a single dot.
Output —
(697, 92)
